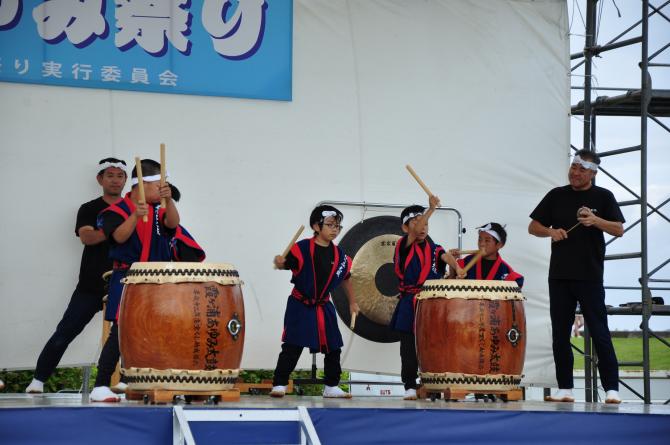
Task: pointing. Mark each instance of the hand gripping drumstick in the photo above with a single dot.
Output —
(295, 238)
(352, 325)
(473, 261)
(163, 170)
(140, 185)
(579, 216)
(421, 183)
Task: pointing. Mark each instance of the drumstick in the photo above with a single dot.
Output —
(163, 169)
(473, 261)
(467, 252)
(568, 231)
(421, 183)
(293, 240)
(353, 320)
(140, 185)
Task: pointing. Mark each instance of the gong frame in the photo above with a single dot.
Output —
(380, 205)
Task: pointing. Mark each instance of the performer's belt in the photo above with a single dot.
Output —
(295, 293)
(320, 316)
(407, 289)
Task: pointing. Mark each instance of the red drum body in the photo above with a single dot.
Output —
(470, 334)
(181, 326)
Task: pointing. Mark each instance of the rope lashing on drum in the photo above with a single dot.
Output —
(470, 379)
(196, 272)
(227, 380)
(466, 288)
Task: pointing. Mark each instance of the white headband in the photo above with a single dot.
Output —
(326, 213)
(586, 164)
(152, 178)
(105, 165)
(488, 229)
(410, 216)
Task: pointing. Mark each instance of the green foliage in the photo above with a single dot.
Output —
(630, 350)
(257, 376)
(64, 379)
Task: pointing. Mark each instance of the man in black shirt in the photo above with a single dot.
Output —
(575, 217)
(86, 299)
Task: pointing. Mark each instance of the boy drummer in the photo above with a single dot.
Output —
(310, 320)
(417, 259)
(131, 239)
(490, 266)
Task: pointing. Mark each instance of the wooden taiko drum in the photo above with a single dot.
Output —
(470, 334)
(181, 326)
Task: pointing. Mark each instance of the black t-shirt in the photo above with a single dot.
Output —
(582, 254)
(95, 259)
(324, 258)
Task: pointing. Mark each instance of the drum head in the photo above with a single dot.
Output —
(371, 244)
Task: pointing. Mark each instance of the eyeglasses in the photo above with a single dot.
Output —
(333, 226)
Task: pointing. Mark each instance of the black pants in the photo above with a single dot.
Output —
(288, 359)
(108, 357)
(409, 366)
(81, 309)
(563, 298)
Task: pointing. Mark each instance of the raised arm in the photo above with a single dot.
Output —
(171, 218)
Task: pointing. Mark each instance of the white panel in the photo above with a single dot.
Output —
(474, 94)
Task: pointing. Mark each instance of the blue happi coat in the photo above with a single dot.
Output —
(499, 271)
(422, 263)
(150, 241)
(310, 320)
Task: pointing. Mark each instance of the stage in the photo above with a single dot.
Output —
(65, 418)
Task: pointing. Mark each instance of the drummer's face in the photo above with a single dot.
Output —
(489, 245)
(152, 191)
(329, 229)
(420, 231)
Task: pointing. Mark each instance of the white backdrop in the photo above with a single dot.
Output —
(474, 94)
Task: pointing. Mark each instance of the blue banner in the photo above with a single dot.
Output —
(239, 48)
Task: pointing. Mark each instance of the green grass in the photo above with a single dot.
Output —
(630, 350)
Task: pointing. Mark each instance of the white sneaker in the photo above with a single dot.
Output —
(35, 387)
(278, 391)
(612, 396)
(562, 395)
(119, 388)
(410, 394)
(103, 394)
(335, 392)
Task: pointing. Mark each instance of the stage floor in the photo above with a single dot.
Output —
(66, 418)
(266, 402)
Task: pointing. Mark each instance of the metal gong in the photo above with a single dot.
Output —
(371, 245)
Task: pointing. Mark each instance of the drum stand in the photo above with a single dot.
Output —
(312, 380)
(162, 396)
(459, 394)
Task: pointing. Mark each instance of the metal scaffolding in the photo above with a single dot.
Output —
(646, 103)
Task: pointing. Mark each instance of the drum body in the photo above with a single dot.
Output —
(181, 326)
(470, 334)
